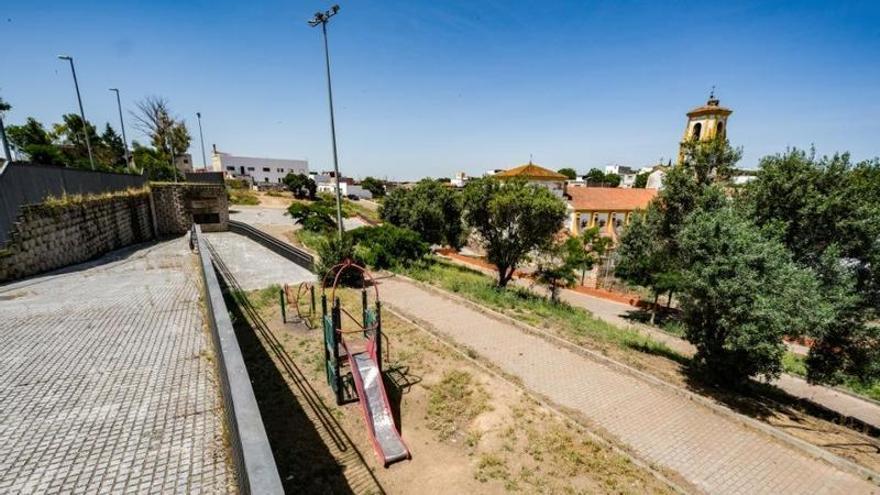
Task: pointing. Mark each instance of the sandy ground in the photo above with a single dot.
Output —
(512, 444)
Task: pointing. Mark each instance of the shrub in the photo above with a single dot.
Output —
(316, 217)
(333, 251)
(387, 245)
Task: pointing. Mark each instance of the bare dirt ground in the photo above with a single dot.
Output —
(469, 430)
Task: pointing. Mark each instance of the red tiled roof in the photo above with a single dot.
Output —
(609, 198)
(531, 171)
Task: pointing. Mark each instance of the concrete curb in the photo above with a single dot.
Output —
(807, 448)
(255, 463)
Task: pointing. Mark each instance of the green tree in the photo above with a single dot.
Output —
(570, 173)
(595, 178)
(315, 217)
(585, 250)
(827, 212)
(641, 180)
(387, 245)
(35, 142)
(742, 294)
(431, 209)
(512, 219)
(154, 163)
(555, 266)
(112, 149)
(711, 161)
(301, 185)
(334, 251)
(611, 180)
(375, 186)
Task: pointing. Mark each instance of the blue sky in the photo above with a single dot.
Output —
(427, 88)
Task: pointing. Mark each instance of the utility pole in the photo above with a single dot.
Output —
(202, 141)
(322, 18)
(122, 126)
(82, 114)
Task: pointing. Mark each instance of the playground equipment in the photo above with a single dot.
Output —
(364, 364)
(303, 302)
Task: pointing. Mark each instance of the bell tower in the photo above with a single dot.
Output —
(705, 122)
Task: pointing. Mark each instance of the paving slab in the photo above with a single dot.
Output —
(254, 265)
(108, 382)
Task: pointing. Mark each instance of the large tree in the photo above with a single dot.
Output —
(34, 141)
(742, 294)
(374, 185)
(301, 185)
(512, 219)
(430, 208)
(568, 172)
(827, 212)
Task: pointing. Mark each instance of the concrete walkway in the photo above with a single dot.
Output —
(255, 266)
(713, 452)
(108, 380)
(614, 312)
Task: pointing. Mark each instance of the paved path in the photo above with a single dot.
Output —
(614, 312)
(263, 216)
(255, 266)
(106, 380)
(713, 452)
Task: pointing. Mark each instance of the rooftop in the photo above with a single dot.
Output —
(609, 198)
(531, 171)
(711, 107)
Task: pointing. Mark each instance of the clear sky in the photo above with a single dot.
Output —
(428, 88)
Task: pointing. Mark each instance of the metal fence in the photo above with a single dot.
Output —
(26, 183)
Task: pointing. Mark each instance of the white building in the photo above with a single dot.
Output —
(345, 189)
(258, 170)
(459, 179)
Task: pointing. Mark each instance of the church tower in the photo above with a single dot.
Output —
(705, 123)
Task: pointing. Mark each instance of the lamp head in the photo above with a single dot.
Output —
(65, 57)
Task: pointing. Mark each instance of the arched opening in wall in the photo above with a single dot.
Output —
(698, 129)
(719, 130)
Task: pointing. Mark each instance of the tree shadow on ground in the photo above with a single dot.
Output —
(762, 401)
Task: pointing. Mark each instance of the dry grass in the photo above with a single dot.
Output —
(454, 403)
(66, 200)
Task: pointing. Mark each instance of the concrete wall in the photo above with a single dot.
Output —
(46, 237)
(25, 183)
(177, 205)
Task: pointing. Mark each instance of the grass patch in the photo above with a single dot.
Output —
(260, 298)
(276, 194)
(491, 467)
(309, 239)
(351, 208)
(454, 402)
(242, 197)
(576, 323)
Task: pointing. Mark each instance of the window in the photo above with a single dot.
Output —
(698, 129)
(279, 170)
(266, 169)
(720, 129)
(231, 168)
(250, 169)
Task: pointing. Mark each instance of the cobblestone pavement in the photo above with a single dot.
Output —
(714, 453)
(613, 312)
(108, 381)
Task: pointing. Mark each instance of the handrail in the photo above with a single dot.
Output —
(284, 249)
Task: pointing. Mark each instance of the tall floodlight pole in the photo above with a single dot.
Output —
(122, 126)
(82, 114)
(202, 141)
(322, 18)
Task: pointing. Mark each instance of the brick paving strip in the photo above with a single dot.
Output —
(714, 452)
(108, 382)
(842, 402)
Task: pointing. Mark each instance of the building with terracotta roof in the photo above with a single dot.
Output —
(609, 208)
(536, 174)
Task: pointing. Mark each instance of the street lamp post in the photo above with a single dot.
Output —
(202, 141)
(122, 126)
(82, 114)
(322, 18)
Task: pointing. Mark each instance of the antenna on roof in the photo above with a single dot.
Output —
(712, 93)
(530, 159)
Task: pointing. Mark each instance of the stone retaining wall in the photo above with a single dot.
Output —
(178, 205)
(54, 235)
